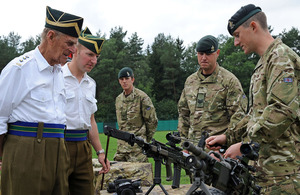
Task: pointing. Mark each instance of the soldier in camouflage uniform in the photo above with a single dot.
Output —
(213, 98)
(273, 118)
(135, 114)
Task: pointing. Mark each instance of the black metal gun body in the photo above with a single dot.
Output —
(157, 150)
(228, 175)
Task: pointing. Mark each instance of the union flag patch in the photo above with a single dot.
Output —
(288, 80)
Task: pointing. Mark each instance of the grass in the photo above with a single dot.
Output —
(159, 136)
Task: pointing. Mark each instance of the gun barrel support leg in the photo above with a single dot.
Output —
(157, 176)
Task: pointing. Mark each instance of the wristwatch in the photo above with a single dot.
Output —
(100, 152)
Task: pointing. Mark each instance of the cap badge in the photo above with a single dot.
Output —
(231, 25)
(212, 48)
(128, 74)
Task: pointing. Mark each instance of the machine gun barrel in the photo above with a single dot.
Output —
(197, 151)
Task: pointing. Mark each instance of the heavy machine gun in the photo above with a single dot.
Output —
(228, 175)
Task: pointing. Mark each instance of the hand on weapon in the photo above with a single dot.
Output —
(215, 142)
(233, 151)
(228, 175)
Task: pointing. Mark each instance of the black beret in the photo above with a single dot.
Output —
(63, 22)
(125, 72)
(241, 16)
(90, 41)
(207, 44)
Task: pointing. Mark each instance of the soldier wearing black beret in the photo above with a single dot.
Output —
(34, 158)
(135, 114)
(273, 117)
(212, 99)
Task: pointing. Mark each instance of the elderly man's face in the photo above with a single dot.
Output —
(63, 45)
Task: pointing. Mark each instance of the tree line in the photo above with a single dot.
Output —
(160, 70)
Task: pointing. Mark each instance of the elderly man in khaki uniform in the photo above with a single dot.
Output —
(32, 116)
(212, 99)
(135, 114)
(273, 118)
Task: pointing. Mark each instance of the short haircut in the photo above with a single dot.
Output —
(260, 18)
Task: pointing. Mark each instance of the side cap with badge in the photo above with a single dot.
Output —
(207, 44)
(63, 22)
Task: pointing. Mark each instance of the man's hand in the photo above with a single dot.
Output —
(233, 151)
(212, 140)
(105, 166)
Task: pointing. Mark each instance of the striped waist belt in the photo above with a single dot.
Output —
(30, 129)
(76, 135)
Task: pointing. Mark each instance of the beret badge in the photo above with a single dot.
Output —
(230, 24)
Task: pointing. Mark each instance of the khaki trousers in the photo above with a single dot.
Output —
(81, 174)
(32, 166)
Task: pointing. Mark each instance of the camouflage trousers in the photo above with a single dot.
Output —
(131, 157)
(284, 185)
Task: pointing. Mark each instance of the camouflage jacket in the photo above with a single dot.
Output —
(213, 104)
(135, 114)
(273, 118)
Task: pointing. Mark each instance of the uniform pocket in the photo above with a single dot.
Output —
(41, 98)
(91, 103)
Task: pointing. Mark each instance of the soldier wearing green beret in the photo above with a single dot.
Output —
(82, 131)
(135, 114)
(212, 99)
(34, 155)
(273, 118)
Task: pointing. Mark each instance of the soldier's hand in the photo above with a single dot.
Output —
(233, 151)
(105, 166)
(214, 140)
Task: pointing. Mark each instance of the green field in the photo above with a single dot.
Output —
(159, 136)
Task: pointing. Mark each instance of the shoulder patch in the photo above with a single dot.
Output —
(22, 60)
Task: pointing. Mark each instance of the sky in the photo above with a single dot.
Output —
(188, 20)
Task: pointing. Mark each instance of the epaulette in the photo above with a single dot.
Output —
(22, 60)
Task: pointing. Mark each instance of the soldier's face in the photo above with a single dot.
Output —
(86, 59)
(208, 62)
(126, 83)
(242, 37)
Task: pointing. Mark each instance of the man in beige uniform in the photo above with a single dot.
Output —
(212, 99)
(135, 114)
(273, 118)
(34, 156)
